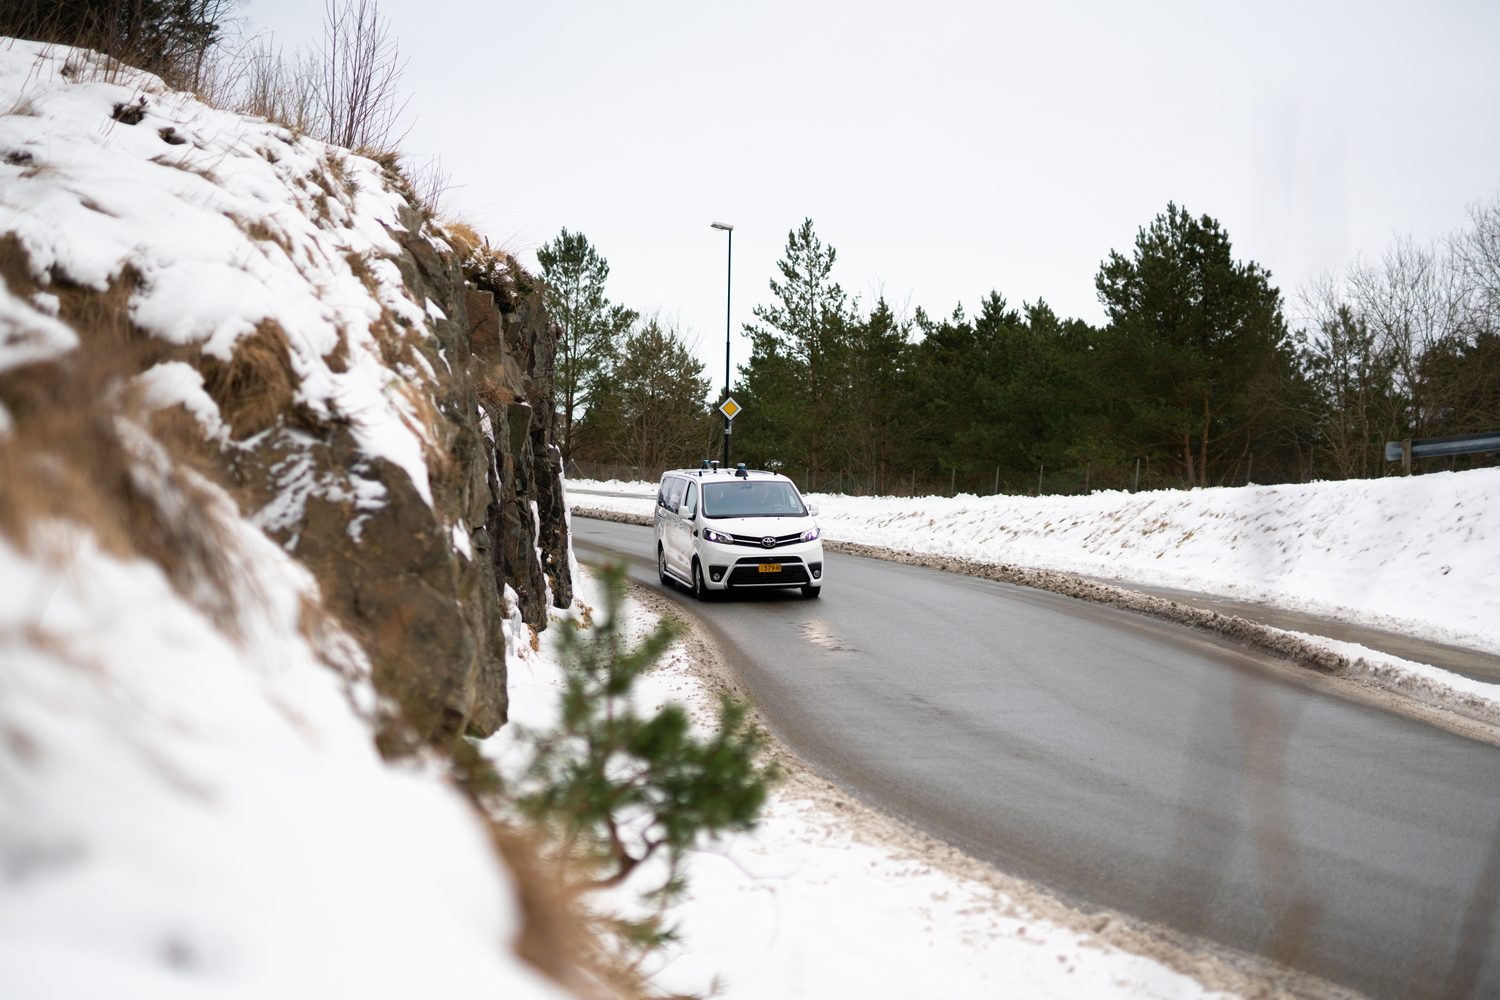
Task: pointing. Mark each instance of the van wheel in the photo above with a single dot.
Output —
(700, 589)
(661, 567)
(811, 591)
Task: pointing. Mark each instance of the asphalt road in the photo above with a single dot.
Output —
(1132, 764)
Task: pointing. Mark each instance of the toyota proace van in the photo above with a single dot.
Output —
(719, 530)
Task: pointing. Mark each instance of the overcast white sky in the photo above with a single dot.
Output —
(945, 148)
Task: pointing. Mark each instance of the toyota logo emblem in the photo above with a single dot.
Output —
(768, 542)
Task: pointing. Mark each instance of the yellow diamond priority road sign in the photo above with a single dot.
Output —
(730, 408)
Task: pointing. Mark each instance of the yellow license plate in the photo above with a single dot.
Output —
(770, 567)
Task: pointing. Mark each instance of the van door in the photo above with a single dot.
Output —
(663, 516)
(687, 519)
(673, 488)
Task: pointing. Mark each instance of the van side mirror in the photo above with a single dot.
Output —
(812, 510)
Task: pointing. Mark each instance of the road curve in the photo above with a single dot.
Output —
(1132, 764)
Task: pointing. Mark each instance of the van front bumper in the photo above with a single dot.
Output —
(791, 566)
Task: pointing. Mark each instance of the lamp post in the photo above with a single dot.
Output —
(728, 290)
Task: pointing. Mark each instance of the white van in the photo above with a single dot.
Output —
(719, 530)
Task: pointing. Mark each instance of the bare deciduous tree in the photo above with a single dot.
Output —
(280, 88)
(1356, 408)
(431, 185)
(359, 101)
(1413, 304)
(1476, 254)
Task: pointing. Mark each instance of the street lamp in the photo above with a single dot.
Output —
(728, 288)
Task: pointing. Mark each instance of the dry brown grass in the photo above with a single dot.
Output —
(336, 170)
(15, 269)
(359, 266)
(462, 237)
(338, 358)
(79, 464)
(428, 186)
(433, 429)
(114, 58)
(79, 452)
(260, 231)
(389, 159)
(257, 386)
(492, 389)
(21, 107)
(560, 936)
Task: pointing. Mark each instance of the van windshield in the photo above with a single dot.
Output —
(744, 499)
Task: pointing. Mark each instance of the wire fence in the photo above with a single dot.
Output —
(1073, 481)
(1045, 482)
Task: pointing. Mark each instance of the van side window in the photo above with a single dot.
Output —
(692, 496)
(672, 489)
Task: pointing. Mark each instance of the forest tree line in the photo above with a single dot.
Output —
(1197, 377)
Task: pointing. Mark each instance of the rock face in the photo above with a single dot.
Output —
(514, 348)
(423, 585)
(430, 607)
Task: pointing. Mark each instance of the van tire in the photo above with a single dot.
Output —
(700, 589)
(811, 592)
(661, 567)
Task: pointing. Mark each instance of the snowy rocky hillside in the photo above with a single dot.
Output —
(276, 487)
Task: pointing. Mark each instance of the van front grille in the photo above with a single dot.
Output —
(758, 541)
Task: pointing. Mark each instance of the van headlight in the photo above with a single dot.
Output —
(811, 534)
(710, 535)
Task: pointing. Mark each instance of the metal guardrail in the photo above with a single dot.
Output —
(1462, 444)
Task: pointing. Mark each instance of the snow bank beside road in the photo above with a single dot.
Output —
(1419, 555)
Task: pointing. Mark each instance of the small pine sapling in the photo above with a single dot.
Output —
(621, 786)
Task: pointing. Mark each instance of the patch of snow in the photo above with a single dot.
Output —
(536, 544)
(190, 812)
(29, 334)
(177, 383)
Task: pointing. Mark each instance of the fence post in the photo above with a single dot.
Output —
(1137, 487)
(996, 490)
(953, 483)
(1040, 469)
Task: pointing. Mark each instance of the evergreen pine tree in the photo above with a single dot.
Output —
(1194, 335)
(652, 413)
(590, 326)
(797, 356)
